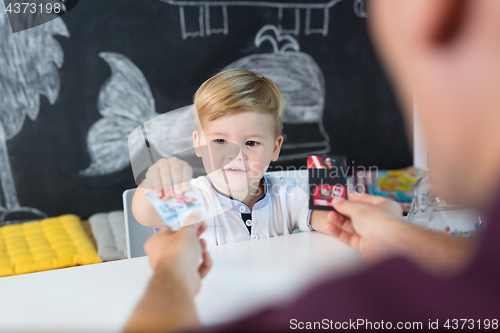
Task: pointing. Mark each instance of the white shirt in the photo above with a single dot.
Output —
(283, 208)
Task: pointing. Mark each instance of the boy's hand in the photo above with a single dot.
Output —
(169, 177)
(178, 253)
(364, 222)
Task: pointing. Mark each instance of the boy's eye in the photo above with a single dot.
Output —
(219, 141)
(252, 143)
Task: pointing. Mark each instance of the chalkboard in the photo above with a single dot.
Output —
(108, 66)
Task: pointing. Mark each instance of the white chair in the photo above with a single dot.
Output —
(301, 176)
(135, 233)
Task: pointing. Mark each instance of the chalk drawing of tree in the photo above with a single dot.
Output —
(359, 8)
(29, 62)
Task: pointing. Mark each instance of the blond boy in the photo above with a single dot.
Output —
(238, 124)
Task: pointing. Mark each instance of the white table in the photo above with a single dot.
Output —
(245, 277)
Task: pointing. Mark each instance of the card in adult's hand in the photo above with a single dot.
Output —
(175, 210)
(327, 179)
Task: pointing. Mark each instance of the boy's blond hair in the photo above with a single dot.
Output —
(239, 89)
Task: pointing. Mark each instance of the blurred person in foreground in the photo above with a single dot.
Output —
(446, 55)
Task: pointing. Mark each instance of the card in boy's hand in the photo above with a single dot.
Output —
(327, 179)
(175, 210)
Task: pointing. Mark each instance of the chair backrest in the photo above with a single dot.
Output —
(301, 176)
(135, 233)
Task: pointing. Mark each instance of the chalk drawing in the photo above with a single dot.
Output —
(131, 129)
(301, 82)
(359, 8)
(29, 61)
(203, 19)
(63, 6)
(126, 103)
(296, 30)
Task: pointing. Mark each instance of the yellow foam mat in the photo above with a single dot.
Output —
(43, 245)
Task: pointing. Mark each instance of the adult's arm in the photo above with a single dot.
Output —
(167, 304)
(373, 226)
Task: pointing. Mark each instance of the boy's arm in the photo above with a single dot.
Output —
(318, 221)
(144, 211)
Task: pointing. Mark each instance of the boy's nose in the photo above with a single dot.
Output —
(237, 155)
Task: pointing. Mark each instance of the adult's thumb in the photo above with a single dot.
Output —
(343, 206)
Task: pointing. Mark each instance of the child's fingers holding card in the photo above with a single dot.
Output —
(180, 173)
(153, 180)
(176, 178)
(187, 174)
(166, 179)
(181, 176)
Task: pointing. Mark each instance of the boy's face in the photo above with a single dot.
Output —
(236, 150)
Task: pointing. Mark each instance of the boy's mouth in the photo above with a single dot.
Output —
(234, 171)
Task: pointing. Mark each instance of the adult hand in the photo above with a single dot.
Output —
(167, 304)
(169, 177)
(178, 253)
(373, 226)
(365, 222)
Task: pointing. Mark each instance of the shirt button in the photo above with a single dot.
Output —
(255, 237)
(248, 223)
(242, 209)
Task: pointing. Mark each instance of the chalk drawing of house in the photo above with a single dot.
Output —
(211, 17)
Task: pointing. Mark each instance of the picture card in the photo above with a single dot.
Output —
(175, 210)
(327, 179)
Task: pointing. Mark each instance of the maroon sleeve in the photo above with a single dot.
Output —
(391, 293)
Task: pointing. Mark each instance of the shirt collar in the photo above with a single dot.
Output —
(239, 206)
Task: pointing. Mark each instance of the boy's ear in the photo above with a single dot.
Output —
(277, 148)
(196, 142)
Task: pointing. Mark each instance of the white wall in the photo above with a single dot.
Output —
(419, 147)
